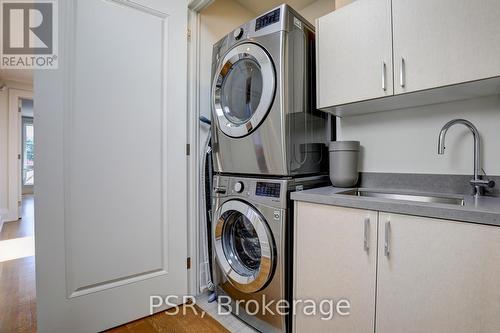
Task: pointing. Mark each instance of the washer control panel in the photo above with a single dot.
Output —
(268, 189)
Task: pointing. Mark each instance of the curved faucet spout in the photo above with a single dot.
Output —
(446, 127)
(477, 147)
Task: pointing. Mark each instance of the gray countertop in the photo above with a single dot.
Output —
(485, 210)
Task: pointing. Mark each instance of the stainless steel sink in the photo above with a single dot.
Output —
(406, 197)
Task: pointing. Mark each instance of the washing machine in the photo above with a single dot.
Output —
(264, 97)
(252, 235)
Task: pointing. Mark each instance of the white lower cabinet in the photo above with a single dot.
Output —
(333, 261)
(427, 275)
(439, 276)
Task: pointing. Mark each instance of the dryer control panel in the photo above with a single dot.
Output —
(267, 19)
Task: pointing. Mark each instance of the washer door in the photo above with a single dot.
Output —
(244, 246)
(243, 89)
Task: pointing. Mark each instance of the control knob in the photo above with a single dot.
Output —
(239, 187)
(238, 33)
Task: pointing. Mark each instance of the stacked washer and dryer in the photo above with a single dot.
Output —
(268, 139)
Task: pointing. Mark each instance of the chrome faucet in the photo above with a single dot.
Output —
(477, 182)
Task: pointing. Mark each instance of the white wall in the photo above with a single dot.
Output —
(317, 9)
(4, 125)
(405, 141)
(342, 3)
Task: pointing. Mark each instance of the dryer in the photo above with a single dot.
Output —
(264, 97)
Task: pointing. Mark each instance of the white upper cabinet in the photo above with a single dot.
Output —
(355, 53)
(444, 42)
(433, 51)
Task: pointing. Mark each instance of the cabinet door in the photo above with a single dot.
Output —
(439, 276)
(332, 261)
(444, 42)
(354, 50)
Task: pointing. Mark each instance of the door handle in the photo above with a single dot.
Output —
(384, 83)
(366, 235)
(402, 73)
(387, 248)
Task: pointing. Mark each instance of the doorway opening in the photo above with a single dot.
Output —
(27, 147)
(17, 242)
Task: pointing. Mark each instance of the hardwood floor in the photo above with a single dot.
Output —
(163, 323)
(17, 278)
(18, 294)
(24, 227)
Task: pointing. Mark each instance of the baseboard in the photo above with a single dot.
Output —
(2, 219)
(7, 216)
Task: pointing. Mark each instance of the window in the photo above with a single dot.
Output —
(28, 152)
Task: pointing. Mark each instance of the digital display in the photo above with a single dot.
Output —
(268, 190)
(267, 19)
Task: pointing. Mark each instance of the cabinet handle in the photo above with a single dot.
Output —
(387, 249)
(384, 85)
(366, 235)
(402, 73)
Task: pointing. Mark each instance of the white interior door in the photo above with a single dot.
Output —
(111, 209)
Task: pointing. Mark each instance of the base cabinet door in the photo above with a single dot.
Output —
(335, 258)
(445, 42)
(437, 276)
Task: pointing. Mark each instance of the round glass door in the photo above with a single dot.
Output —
(244, 246)
(243, 89)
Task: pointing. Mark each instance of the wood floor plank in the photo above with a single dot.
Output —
(17, 296)
(17, 279)
(183, 322)
(25, 226)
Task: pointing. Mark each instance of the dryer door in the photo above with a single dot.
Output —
(243, 89)
(244, 246)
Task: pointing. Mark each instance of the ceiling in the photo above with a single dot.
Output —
(261, 6)
(21, 75)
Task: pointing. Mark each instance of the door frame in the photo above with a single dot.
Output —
(194, 158)
(14, 151)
